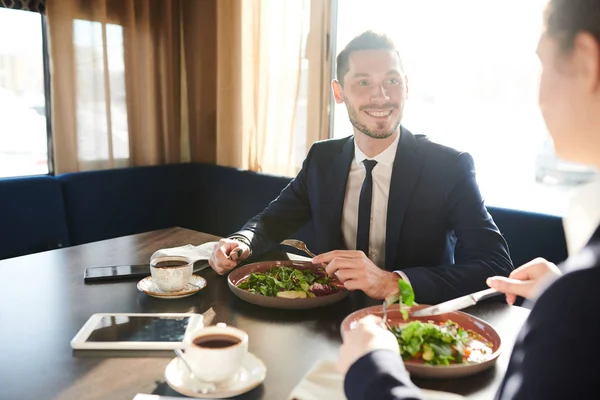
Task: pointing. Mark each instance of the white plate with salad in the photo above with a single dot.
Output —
(285, 284)
(450, 345)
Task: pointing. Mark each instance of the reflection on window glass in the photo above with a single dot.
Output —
(23, 133)
(472, 85)
(97, 77)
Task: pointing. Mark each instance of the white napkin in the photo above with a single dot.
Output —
(195, 253)
(323, 381)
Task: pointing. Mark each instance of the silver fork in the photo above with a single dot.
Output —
(298, 244)
(388, 301)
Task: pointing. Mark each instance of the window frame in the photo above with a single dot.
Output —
(47, 96)
(332, 44)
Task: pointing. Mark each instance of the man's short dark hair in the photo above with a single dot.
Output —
(566, 18)
(368, 40)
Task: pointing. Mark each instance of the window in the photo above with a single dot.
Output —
(100, 76)
(473, 76)
(23, 129)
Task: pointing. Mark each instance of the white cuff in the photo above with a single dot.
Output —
(403, 276)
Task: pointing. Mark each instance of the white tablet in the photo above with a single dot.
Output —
(118, 331)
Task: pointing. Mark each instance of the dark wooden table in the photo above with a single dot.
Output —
(44, 302)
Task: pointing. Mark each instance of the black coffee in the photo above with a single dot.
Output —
(169, 264)
(216, 341)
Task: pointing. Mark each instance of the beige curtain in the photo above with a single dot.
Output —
(259, 52)
(133, 82)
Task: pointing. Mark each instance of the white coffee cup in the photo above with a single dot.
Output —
(216, 353)
(171, 273)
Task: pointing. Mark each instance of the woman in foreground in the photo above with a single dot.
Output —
(557, 353)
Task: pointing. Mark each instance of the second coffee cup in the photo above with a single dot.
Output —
(171, 273)
(216, 353)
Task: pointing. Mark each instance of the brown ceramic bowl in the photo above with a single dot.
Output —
(239, 274)
(436, 371)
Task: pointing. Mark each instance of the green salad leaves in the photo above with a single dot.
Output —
(434, 344)
(283, 280)
(444, 343)
(407, 297)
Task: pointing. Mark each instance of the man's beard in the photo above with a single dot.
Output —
(353, 115)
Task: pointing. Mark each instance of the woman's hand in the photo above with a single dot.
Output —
(370, 334)
(523, 281)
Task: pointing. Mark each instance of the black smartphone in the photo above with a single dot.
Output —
(116, 273)
(125, 272)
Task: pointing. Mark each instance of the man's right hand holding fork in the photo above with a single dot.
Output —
(227, 254)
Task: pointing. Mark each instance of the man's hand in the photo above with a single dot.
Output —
(227, 254)
(369, 335)
(354, 269)
(524, 280)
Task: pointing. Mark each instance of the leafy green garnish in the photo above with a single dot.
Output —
(406, 297)
(434, 344)
(407, 294)
(279, 279)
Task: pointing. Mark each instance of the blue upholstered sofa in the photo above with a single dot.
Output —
(44, 212)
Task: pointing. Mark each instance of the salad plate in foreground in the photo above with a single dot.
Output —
(285, 284)
(451, 345)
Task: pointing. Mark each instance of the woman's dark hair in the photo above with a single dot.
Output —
(368, 40)
(566, 18)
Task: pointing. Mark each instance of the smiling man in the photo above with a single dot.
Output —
(385, 204)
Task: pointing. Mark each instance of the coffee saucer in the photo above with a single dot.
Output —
(251, 374)
(196, 283)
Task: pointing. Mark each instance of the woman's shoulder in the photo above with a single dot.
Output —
(578, 290)
(588, 259)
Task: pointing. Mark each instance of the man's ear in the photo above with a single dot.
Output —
(338, 92)
(586, 58)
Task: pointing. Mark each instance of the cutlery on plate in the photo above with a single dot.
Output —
(456, 304)
(298, 244)
(388, 301)
(336, 283)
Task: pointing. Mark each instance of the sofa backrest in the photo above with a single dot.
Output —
(530, 235)
(42, 213)
(32, 216)
(225, 198)
(106, 204)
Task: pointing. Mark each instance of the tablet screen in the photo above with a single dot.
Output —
(120, 328)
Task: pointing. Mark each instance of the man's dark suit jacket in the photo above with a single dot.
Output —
(438, 231)
(555, 356)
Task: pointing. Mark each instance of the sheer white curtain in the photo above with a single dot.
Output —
(259, 55)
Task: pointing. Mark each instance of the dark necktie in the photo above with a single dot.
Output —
(364, 209)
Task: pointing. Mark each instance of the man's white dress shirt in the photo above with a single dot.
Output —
(382, 176)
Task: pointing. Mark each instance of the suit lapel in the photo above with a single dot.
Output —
(336, 192)
(405, 175)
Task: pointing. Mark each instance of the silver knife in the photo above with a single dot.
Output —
(456, 304)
